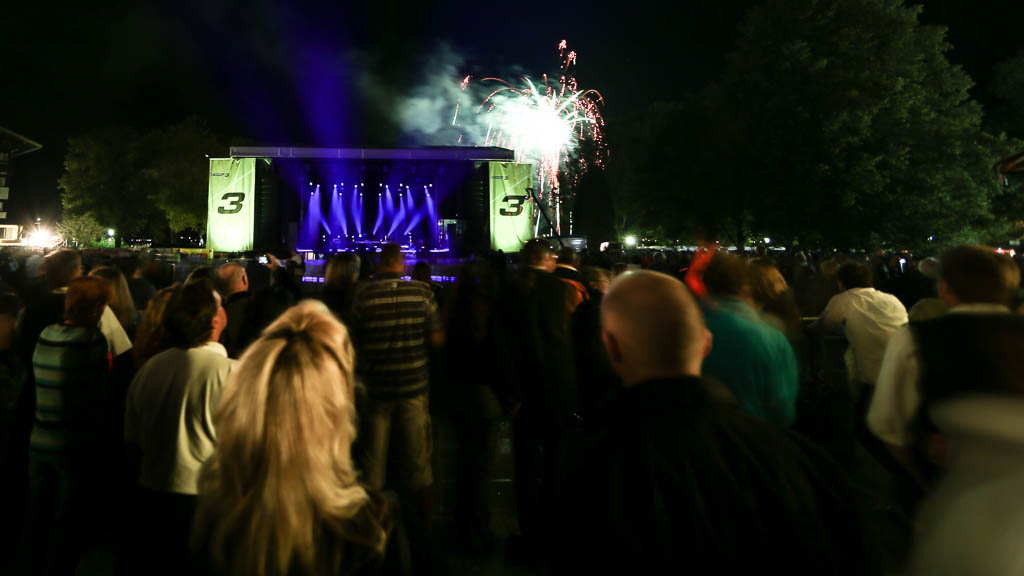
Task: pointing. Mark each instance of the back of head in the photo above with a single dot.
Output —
(829, 269)
(150, 337)
(656, 325)
(726, 275)
(855, 275)
(122, 303)
(231, 279)
(206, 275)
(189, 315)
(929, 268)
(976, 274)
(536, 252)
(421, 272)
(61, 267)
(285, 426)
(391, 256)
(128, 265)
(342, 271)
(766, 282)
(85, 300)
(567, 255)
(596, 278)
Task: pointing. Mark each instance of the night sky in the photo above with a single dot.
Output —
(288, 75)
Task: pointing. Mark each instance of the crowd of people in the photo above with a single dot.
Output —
(807, 413)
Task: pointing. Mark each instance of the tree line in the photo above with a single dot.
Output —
(834, 123)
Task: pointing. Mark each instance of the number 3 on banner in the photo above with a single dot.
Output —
(234, 206)
(515, 205)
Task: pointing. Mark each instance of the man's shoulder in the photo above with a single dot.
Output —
(198, 359)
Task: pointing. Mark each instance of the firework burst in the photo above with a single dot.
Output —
(545, 124)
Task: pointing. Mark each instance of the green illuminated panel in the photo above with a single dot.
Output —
(511, 205)
(230, 221)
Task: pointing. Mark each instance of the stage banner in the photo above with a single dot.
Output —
(511, 214)
(229, 227)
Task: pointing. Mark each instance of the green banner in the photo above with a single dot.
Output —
(229, 226)
(511, 205)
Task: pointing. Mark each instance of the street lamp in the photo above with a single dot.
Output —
(631, 241)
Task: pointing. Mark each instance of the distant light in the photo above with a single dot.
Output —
(110, 232)
(767, 240)
(630, 240)
(41, 238)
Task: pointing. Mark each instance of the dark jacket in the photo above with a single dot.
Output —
(234, 337)
(669, 477)
(537, 342)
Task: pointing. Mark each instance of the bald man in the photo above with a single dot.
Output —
(670, 477)
(233, 284)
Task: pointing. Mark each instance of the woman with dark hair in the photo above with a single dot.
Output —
(71, 365)
(340, 283)
(150, 338)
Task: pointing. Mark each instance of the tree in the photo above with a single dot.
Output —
(1008, 87)
(177, 171)
(155, 182)
(81, 230)
(104, 178)
(835, 123)
(848, 127)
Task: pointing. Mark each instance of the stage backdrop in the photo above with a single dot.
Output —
(511, 205)
(229, 226)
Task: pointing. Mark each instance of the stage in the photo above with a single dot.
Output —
(449, 201)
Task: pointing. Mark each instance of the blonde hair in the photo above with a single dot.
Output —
(282, 470)
(121, 304)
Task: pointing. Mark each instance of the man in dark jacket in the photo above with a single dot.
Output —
(536, 319)
(233, 285)
(672, 477)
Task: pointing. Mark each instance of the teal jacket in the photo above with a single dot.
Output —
(753, 359)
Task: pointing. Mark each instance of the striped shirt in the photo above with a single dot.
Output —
(70, 364)
(392, 320)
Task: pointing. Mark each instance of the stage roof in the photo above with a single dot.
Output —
(435, 153)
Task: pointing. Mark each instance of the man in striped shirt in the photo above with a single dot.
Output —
(395, 322)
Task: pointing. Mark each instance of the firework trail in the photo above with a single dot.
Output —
(545, 124)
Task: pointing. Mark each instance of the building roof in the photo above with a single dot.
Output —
(434, 153)
(16, 144)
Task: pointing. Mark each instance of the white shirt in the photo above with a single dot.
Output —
(169, 414)
(897, 395)
(868, 318)
(117, 338)
(971, 522)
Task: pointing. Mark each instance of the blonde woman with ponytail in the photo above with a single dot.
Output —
(280, 494)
